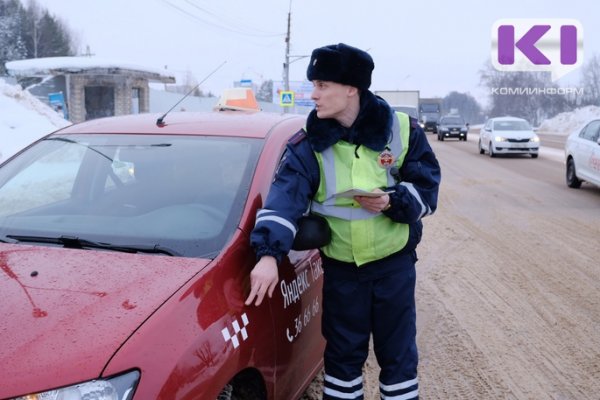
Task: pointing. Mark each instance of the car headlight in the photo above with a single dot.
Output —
(117, 388)
(535, 139)
(499, 139)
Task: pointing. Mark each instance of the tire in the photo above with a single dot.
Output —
(572, 180)
(481, 150)
(441, 137)
(491, 150)
(534, 156)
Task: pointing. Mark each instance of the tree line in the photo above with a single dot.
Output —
(529, 95)
(31, 32)
(533, 95)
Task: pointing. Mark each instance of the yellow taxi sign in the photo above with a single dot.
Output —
(286, 99)
(240, 99)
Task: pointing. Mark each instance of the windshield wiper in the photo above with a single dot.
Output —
(78, 243)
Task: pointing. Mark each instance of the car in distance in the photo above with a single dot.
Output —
(508, 135)
(582, 155)
(125, 263)
(430, 111)
(452, 126)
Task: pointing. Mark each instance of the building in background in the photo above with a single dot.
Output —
(90, 87)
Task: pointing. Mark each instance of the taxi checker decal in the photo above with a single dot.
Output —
(236, 329)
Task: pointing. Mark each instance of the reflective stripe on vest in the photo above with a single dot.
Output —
(358, 235)
(328, 206)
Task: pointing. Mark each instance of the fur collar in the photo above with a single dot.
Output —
(371, 128)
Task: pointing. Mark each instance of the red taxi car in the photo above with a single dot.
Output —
(125, 262)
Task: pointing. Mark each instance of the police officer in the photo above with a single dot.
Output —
(354, 140)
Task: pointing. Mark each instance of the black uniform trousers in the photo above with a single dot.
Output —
(376, 298)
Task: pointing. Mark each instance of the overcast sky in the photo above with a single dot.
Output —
(434, 46)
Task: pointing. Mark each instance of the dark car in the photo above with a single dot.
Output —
(452, 126)
(125, 262)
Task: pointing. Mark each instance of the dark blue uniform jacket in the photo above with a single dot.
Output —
(297, 177)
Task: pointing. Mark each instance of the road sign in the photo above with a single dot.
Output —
(302, 92)
(286, 99)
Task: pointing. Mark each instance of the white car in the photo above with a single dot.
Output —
(508, 135)
(582, 155)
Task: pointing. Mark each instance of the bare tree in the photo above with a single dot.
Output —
(590, 81)
(529, 95)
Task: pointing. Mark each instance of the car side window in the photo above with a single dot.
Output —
(591, 131)
(53, 174)
(595, 134)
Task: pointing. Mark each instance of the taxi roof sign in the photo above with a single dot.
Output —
(240, 99)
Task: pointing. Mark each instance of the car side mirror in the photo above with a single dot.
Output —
(313, 232)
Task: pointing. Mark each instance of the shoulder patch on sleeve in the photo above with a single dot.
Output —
(298, 137)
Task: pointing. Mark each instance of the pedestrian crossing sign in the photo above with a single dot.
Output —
(286, 99)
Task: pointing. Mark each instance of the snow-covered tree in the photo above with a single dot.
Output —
(265, 92)
(12, 46)
(465, 105)
(31, 33)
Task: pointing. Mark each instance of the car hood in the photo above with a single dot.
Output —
(515, 134)
(65, 312)
(452, 126)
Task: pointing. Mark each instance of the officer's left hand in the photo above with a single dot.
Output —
(373, 204)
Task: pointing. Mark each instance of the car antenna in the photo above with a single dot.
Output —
(160, 121)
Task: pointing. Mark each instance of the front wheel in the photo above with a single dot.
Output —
(481, 150)
(572, 180)
(491, 150)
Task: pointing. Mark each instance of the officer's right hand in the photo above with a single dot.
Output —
(263, 279)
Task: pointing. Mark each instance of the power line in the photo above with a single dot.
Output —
(218, 26)
(232, 21)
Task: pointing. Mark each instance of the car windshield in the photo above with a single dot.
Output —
(411, 111)
(184, 193)
(430, 107)
(452, 121)
(511, 126)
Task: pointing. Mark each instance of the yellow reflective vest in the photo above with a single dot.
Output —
(357, 235)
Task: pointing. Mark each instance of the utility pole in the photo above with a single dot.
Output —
(286, 64)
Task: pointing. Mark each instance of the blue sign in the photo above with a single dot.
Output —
(57, 102)
(287, 99)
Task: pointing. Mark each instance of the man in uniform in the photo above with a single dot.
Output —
(354, 140)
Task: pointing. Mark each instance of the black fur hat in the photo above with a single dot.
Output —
(342, 64)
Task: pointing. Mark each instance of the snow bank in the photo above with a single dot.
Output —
(567, 122)
(23, 119)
